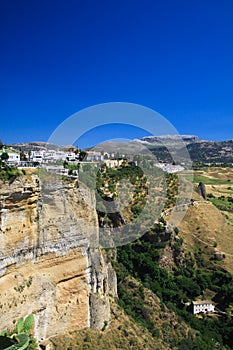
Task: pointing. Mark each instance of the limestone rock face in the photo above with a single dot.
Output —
(50, 262)
(103, 285)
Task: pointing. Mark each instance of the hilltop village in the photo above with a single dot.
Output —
(60, 159)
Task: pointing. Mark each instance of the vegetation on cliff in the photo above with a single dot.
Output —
(9, 173)
(195, 274)
(193, 278)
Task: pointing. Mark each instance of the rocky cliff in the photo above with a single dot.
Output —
(50, 261)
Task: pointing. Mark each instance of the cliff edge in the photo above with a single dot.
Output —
(50, 261)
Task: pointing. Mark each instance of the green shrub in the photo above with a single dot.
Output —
(28, 323)
(20, 325)
(23, 339)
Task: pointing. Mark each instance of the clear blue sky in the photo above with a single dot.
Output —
(60, 56)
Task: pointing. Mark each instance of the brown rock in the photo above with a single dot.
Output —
(50, 263)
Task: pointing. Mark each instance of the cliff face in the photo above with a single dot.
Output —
(50, 262)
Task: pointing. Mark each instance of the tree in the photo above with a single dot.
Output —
(82, 155)
(29, 155)
(4, 156)
(229, 311)
(22, 156)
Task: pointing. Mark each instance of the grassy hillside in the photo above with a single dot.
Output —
(219, 189)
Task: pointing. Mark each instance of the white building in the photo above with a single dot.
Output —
(14, 157)
(37, 156)
(94, 156)
(113, 163)
(203, 306)
(54, 156)
(169, 168)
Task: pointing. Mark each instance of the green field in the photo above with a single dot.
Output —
(210, 181)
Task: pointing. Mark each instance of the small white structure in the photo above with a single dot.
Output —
(203, 306)
(113, 163)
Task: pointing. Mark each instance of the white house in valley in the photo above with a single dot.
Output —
(203, 306)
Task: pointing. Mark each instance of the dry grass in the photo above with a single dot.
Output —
(122, 334)
(206, 225)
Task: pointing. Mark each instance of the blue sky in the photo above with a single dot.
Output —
(58, 57)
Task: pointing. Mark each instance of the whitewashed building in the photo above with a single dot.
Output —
(14, 157)
(169, 168)
(94, 156)
(37, 156)
(54, 156)
(113, 163)
(203, 306)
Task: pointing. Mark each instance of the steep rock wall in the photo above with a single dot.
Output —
(50, 262)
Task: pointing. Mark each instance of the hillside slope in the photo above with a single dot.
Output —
(204, 225)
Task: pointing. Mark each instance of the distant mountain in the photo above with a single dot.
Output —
(40, 146)
(34, 146)
(211, 151)
(199, 151)
(176, 140)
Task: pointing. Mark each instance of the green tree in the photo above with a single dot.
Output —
(229, 311)
(82, 155)
(4, 156)
(22, 156)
